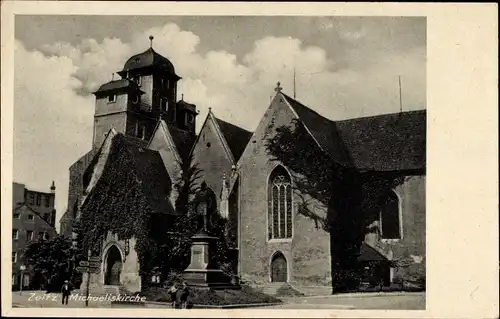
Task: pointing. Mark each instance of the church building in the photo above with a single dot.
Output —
(141, 128)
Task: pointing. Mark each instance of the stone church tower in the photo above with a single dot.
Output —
(146, 91)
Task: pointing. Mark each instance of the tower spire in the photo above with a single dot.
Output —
(151, 41)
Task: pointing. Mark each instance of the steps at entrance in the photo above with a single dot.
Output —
(279, 289)
(112, 290)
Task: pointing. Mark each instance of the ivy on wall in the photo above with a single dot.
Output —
(353, 198)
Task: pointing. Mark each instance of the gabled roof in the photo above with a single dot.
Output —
(369, 253)
(386, 142)
(236, 137)
(182, 139)
(147, 167)
(323, 130)
(16, 208)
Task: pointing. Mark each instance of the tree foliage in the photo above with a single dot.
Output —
(352, 198)
(51, 260)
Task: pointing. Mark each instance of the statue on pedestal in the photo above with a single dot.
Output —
(205, 207)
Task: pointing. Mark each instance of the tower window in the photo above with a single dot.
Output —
(112, 98)
(47, 201)
(189, 119)
(31, 217)
(38, 199)
(14, 257)
(15, 234)
(168, 84)
(29, 235)
(163, 104)
(140, 130)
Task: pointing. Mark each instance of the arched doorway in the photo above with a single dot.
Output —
(113, 266)
(279, 272)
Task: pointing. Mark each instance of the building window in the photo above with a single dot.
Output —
(279, 204)
(14, 280)
(44, 235)
(47, 201)
(163, 104)
(46, 216)
(31, 217)
(14, 257)
(137, 80)
(189, 118)
(390, 219)
(140, 131)
(31, 198)
(29, 235)
(16, 216)
(38, 199)
(15, 234)
(168, 84)
(112, 98)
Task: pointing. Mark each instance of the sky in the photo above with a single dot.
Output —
(345, 67)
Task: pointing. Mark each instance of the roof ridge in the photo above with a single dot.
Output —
(382, 115)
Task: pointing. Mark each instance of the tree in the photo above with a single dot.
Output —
(51, 260)
(352, 197)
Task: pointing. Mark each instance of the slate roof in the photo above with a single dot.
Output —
(183, 140)
(149, 58)
(152, 175)
(117, 85)
(368, 253)
(386, 142)
(236, 137)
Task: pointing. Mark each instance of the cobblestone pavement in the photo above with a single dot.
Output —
(409, 301)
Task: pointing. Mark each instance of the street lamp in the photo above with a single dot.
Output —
(22, 268)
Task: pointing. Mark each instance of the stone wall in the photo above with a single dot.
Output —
(308, 251)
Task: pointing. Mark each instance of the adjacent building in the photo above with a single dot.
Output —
(33, 217)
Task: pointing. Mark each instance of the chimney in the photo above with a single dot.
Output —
(53, 188)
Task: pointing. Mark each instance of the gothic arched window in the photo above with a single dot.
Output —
(279, 204)
(390, 219)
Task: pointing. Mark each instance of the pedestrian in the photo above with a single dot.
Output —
(184, 295)
(172, 291)
(66, 291)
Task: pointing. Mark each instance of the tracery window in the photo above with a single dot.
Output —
(280, 205)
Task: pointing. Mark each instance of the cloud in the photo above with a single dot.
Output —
(53, 117)
(52, 124)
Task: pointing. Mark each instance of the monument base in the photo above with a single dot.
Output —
(201, 272)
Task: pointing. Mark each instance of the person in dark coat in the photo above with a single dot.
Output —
(66, 291)
(172, 291)
(184, 295)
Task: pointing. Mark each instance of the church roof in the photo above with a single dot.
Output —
(149, 58)
(144, 164)
(183, 140)
(236, 137)
(117, 85)
(386, 142)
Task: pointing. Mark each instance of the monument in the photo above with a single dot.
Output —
(203, 271)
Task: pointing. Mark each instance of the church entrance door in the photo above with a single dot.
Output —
(278, 268)
(113, 267)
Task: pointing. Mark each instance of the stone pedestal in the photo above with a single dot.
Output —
(202, 271)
